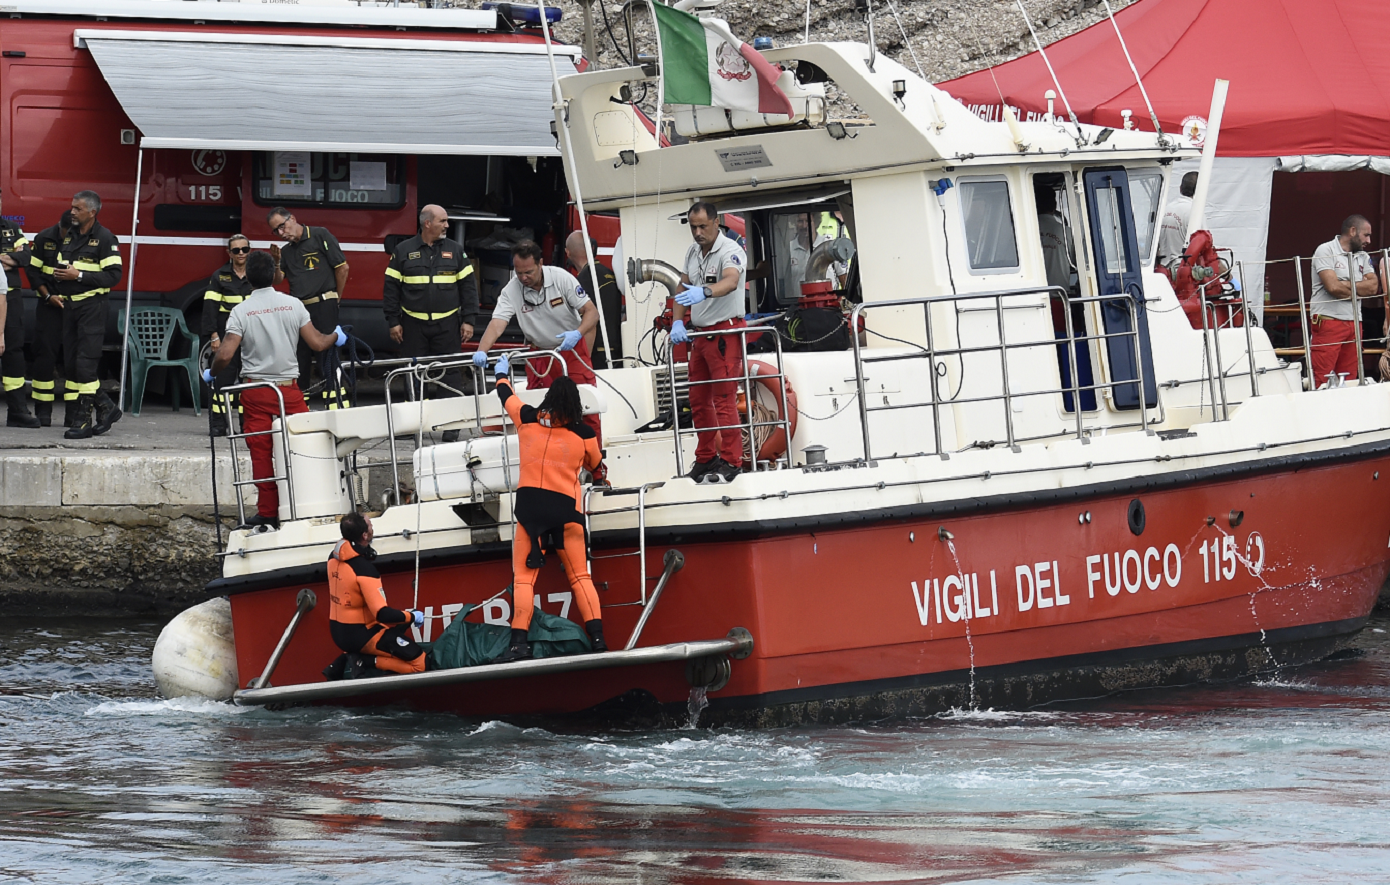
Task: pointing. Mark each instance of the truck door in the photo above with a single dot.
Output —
(1118, 272)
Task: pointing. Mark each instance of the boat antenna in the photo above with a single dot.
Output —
(1080, 137)
(1162, 139)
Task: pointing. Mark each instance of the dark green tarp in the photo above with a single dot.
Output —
(465, 645)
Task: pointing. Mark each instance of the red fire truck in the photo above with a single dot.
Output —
(352, 116)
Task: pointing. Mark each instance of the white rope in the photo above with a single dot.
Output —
(892, 7)
(567, 158)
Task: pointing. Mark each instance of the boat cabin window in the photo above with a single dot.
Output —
(1145, 188)
(793, 236)
(1110, 228)
(302, 178)
(989, 225)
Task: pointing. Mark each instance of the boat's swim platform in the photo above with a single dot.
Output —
(738, 645)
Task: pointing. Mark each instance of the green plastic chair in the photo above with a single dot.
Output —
(151, 332)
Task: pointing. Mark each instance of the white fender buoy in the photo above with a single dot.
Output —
(195, 654)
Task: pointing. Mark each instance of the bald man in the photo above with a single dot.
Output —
(430, 299)
(598, 281)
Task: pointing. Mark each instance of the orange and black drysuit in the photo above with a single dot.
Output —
(548, 520)
(360, 620)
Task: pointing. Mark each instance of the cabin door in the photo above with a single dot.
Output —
(1119, 272)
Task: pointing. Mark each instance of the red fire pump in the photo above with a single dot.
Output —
(1204, 276)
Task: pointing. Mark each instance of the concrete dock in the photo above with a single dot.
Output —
(120, 523)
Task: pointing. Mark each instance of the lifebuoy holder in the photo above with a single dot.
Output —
(765, 377)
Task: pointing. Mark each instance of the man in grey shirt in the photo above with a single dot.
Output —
(267, 327)
(1335, 264)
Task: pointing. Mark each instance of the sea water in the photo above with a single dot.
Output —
(1281, 779)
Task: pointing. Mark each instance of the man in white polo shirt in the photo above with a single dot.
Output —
(1335, 263)
(554, 314)
(713, 296)
(267, 327)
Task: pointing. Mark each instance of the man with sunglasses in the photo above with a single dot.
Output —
(313, 262)
(227, 288)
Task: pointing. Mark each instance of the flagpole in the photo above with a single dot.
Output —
(567, 159)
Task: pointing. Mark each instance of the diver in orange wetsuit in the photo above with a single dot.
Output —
(555, 444)
(370, 632)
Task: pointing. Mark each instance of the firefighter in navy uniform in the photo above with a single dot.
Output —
(371, 633)
(317, 270)
(88, 266)
(14, 254)
(48, 321)
(227, 288)
(430, 298)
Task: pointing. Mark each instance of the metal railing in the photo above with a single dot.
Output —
(1305, 303)
(748, 379)
(933, 353)
(641, 510)
(236, 433)
(431, 372)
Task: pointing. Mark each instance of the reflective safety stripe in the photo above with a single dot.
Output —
(443, 279)
(40, 397)
(393, 273)
(429, 317)
(89, 266)
(43, 391)
(75, 388)
(85, 295)
(114, 259)
(11, 383)
(35, 261)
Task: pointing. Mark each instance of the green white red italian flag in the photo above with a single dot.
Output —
(703, 63)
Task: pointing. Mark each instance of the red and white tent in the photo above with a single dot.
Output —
(1310, 93)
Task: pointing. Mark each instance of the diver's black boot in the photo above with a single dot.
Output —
(19, 415)
(519, 650)
(595, 631)
(81, 427)
(334, 671)
(360, 666)
(107, 413)
(44, 412)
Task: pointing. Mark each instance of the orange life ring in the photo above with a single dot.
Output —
(765, 374)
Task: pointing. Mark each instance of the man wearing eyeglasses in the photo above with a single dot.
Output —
(313, 262)
(227, 288)
(430, 299)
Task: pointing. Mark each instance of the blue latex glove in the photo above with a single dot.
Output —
(480, 358)
(419, 619)
(503, 367)
(207, 376)
(678, 333)
(342, 336)
(569, 339)
(691, 296)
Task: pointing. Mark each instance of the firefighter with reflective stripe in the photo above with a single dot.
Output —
(555, 444)
(14, 254)
(430, 298)
(317, 271)
(372, 634)
(88, 267)
(48, 322)
(227, 288)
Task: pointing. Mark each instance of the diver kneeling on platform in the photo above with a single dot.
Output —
(370, 632)
(555, 445)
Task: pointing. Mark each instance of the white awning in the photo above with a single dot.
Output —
(286, 92)
(1333, 163)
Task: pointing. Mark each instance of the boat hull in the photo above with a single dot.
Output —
(1013, 605)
